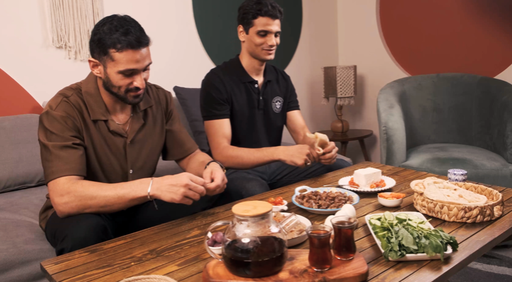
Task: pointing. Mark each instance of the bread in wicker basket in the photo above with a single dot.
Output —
(490, 210)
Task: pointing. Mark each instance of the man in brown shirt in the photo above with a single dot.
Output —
(100, 143)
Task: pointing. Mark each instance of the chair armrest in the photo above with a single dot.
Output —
(393, 143)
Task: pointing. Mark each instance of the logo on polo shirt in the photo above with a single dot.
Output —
(277, 104)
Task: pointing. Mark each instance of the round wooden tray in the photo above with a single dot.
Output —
(296, 269)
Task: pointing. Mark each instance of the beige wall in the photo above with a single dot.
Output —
(178, 55)
(360, 43)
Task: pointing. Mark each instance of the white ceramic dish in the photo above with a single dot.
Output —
(217, 250)
(389, 202)
(390, 182)
(321, 211)
(408, 257)
(302, 237)
(282, 207)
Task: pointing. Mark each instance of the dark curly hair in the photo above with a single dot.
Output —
(253, 9)
(118, 32)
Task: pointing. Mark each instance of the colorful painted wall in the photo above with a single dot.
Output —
(391, 39)
(420, 37)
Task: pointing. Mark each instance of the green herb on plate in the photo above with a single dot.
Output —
(407, 234)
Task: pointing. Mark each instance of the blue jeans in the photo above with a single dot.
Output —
(250, 182)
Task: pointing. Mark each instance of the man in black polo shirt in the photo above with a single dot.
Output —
(246, 103)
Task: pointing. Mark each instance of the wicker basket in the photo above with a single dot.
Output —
(491, 210)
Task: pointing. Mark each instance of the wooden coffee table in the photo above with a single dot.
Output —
(176, 248)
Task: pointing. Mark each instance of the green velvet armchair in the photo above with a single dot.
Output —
(440, 121)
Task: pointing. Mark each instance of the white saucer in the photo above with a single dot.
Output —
(390, 182)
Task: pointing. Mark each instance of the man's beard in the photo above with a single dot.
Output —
(109, 87)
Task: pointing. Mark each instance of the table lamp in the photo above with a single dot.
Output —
(340, 83)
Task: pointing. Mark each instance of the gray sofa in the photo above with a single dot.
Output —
(22, 193)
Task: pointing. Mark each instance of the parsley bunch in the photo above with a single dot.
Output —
(407, 234)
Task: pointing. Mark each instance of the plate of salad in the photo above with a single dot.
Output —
(405, 236)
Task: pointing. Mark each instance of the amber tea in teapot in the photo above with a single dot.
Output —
(254, 244)
(260, 257)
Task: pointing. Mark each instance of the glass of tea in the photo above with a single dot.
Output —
(344, 245)
(320, 256)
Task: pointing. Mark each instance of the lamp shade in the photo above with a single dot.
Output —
(340, 83)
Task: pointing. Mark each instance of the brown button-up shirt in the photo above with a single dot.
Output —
(78, 137)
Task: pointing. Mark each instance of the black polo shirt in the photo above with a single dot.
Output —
(257, 116)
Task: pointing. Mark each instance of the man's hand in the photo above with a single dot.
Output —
(214, 179)
(329, 155)
(298, 155)
(183, 188)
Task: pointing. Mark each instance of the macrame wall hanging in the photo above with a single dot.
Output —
(70, 23)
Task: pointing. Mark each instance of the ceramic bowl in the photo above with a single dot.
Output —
(282, 207)
(305, 189)
(217, 250)
(389, 203)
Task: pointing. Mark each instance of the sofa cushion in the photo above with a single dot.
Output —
(20, 162)
(23, 245)
(482, 165)
(189, 101)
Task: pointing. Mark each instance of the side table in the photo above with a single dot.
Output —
(350, 135)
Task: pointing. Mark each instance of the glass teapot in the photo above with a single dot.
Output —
(253, 245)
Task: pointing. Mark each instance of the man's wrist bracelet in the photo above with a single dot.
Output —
(149, 193)
(214, 161)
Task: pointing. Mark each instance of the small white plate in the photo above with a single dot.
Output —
(391, 203)
(408, 257)
(390, 182)
(326, 189)
(282, 207)
(302, 237)
(217, 250)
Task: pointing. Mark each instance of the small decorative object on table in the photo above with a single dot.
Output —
(457, 175)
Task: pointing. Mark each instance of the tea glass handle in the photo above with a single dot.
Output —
(213, 226)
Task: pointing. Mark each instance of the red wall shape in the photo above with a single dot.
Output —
(14, 99)
(439, 36)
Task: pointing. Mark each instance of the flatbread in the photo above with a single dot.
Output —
(443, 191)
(320, 141)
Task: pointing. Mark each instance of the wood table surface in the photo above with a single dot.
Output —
(176, 249)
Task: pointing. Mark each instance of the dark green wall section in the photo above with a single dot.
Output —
(216, 24)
